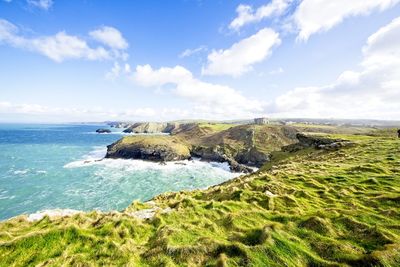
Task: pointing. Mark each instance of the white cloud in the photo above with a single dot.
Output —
(190, 52)
(117, 70)
(313, 16)
(240, 57)
(147, 77)
(247, 15)
(127, 68)
(114, 72)
(42, 4)
(33, 112)
(139, 112)
(46, 113)
(210, 100)
(63, 46)
(110, 37)
(372, 92)
(58, 47)
(276, 71)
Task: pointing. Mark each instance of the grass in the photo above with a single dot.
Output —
(333, 129)
(216, 127)
(171, 143)
(309, 208)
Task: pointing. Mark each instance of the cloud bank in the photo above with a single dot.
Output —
(372, 92)
(210, 100)
(314, 16)
(62, 46)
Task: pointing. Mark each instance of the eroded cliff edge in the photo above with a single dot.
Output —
(242, 146)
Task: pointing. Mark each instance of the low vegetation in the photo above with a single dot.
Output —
(304, 208)
(239, 145)
(157, 148)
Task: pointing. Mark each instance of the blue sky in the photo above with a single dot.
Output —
(201, 59)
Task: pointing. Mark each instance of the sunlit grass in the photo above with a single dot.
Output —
(309, 208)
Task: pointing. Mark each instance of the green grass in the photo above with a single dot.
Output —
(333, 129)
(309, 208)
(172, 143)
(216, 127)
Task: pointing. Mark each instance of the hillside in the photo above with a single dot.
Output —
(239, 145)
(304, 208)
(155, 148)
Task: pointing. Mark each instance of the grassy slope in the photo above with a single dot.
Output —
(216, 127)
(171, 142)
(313, 208)
(235, 139)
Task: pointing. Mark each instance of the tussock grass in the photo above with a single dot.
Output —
(308, 208)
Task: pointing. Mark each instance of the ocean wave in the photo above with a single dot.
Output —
(137, 164)
(21, 172)
(93, 156)
(96, 158)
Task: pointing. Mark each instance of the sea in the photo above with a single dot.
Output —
(46, 167)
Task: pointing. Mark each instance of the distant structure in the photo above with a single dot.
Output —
(261, 121)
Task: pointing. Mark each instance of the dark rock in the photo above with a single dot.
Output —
(162, 149)
(147, 153)
(306, 141)
(128, 130)
(253, 157)
(103, 131)
(213, 154)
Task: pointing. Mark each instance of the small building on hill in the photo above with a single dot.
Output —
(261, 121)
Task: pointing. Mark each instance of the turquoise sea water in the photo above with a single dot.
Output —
(44, 167)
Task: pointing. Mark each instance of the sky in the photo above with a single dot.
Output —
(157, 60)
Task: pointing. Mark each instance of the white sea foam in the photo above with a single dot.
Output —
(52, 214)
(96, 158)
(136, 164)
(21, 171)
(99, 152)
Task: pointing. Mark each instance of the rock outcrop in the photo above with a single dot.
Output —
(103, 131)
(146, 127)
(317, 142)
(119, 124)
(241, 146)
(214, 154)
(160, 127)
(160, 148)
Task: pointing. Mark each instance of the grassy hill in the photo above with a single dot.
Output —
(307, 208)
(235, 144)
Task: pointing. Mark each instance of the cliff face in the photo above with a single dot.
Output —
(159, 127)
(317, 142)
(155, 148)
(246, 144)
(239, 145)
(146, 127)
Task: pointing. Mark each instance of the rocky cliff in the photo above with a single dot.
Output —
(155, 148)
(146, 127)
(239, 145)
(159, 127)
(317, 142)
